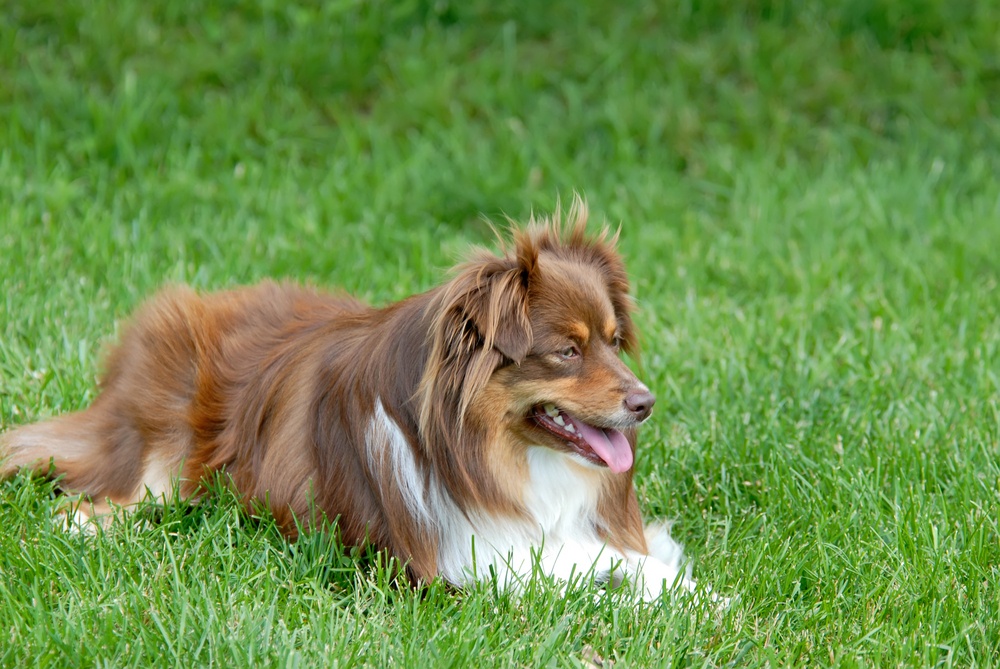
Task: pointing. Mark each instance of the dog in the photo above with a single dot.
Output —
(483, 429)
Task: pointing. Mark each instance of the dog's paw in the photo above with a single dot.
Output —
(80, 517)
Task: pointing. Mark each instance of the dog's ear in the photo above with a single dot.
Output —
(480, 322)
(489, 296)
(499, 310)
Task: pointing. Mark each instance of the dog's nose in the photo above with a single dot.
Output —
(640, 403)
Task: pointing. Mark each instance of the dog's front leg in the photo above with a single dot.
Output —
(652, 577)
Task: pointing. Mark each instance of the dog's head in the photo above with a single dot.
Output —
(529, 344)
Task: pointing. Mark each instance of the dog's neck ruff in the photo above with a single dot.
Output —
(559, 501)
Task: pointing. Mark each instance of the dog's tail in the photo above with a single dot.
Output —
(70, 447)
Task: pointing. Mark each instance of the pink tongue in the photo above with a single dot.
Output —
(610, 445)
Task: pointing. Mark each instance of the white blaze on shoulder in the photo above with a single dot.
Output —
(391, 456)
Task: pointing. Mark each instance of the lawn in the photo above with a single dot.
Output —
(810, 213)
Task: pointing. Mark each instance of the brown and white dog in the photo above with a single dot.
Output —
(485, 425)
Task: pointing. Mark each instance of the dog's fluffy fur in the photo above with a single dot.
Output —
(485, 425)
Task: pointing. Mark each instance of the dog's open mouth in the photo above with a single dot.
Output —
(602, 446)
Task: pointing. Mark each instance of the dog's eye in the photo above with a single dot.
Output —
(616, 342)
(569, 353)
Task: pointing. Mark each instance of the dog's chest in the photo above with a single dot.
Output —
(560, 496)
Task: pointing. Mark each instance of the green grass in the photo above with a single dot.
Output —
(810, 212)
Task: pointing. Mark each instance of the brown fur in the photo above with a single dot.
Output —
(275, 386)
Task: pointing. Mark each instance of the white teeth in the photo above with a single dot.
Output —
(551, 410)
(570, 428)
(559, 420)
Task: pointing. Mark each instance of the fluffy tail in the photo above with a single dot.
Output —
(68, 446)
